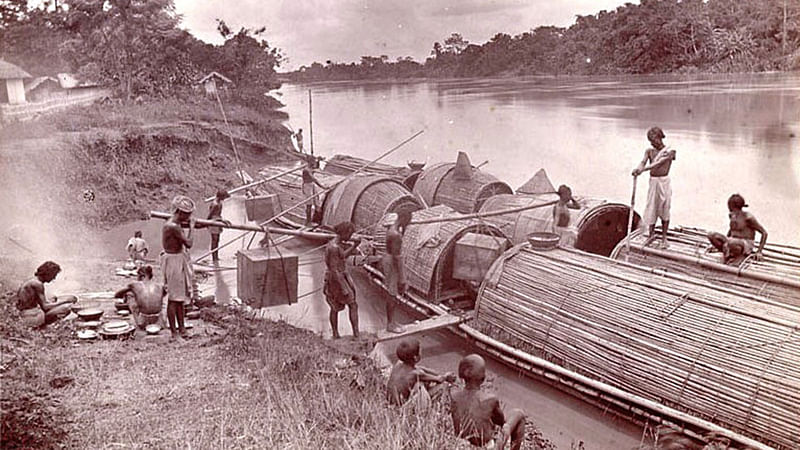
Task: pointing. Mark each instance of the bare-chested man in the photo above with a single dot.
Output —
(476, 414)
(309, 188)
(148, 298)
(659, 193)
(32, 302)
(407, 377)
(339, 289)
(394, 266)
(175, 263)
(741, 233)
(561, 216)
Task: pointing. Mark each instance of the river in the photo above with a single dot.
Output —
(732, 133)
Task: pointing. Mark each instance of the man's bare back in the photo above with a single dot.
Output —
(475, 415)
(149, 296)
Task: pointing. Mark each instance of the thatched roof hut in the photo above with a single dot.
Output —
(596, 227)
(776, 276)
(12, 89)
(458, 185)
(678, 342)
(365, 200)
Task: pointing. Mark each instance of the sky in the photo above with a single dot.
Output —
(344, 30)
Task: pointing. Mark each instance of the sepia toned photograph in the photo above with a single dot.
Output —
(410, 225)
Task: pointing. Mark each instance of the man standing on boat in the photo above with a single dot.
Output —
(393, 264)
(741, 233)
(215, 213)
(658, 160)
(309, 188)
(299, 137)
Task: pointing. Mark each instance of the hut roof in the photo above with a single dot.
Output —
(38, 81)
(426, 247)
(214, 75)
(538, 184)
(351, 199)
(679, 342)
(10, 71)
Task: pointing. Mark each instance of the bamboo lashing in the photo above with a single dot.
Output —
(660, 339)
(256, 183)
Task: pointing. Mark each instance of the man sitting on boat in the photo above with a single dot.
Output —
(476, 414)
(309, 188)
(408, 380)
(339, 289)
(741, 234)
(561, 216)
(148, 298)
(659, 194)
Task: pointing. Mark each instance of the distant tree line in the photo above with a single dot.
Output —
(135, 46)
(655, 36)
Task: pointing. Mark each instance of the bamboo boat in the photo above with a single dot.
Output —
(682, 343)
(459, 185)
(775, 277)
(288, 188)
(596, 227)
(365, 199)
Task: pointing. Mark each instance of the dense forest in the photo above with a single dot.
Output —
(655, 36)
(134, 45)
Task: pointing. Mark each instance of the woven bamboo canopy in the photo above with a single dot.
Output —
(776, 276)
(428, 250)
(681, 343)
(289, 189)
(441, 185)
(346, 164)
(596, 227)
(365, 200)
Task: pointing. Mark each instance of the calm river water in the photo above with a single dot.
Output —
(737, 133)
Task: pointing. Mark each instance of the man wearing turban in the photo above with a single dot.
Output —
(175, 263)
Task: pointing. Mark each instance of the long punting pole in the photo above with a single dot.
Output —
(256, 183)
(248, 228)
(630, 218)
(310, 124)
(482, 215)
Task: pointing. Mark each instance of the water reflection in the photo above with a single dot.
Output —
(733, 133)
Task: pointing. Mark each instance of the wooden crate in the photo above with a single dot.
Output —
(474, 254)
(264, 278)
(261, 208)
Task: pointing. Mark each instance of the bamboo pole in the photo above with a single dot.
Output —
(256, 183)
(249, 228)
(310, 124)
(482, 215)
(230, 135)
(630, 218)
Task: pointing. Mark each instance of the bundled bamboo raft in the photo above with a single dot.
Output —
(713, 354)
(289, 190)
(365, 200)
(776, 276)
(428, 251)
(441, 185)
(596, 227)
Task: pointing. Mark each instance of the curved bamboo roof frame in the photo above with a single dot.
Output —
(679, 342)
(596, 227)
(289, 190)
(428, 249)
(365, 200)
(441, 185)
(775, 277)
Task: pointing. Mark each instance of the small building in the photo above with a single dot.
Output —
(214, 82)
(42, 88)
(12, 91)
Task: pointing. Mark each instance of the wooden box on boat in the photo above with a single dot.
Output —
(776, 276)
(428, 250)
(474, 254)
(266, 278)
(596, 227)
(261, 207)
(365, 200)
(439, 185)
(677, 341)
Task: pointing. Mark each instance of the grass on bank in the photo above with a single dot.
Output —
(241, 384)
